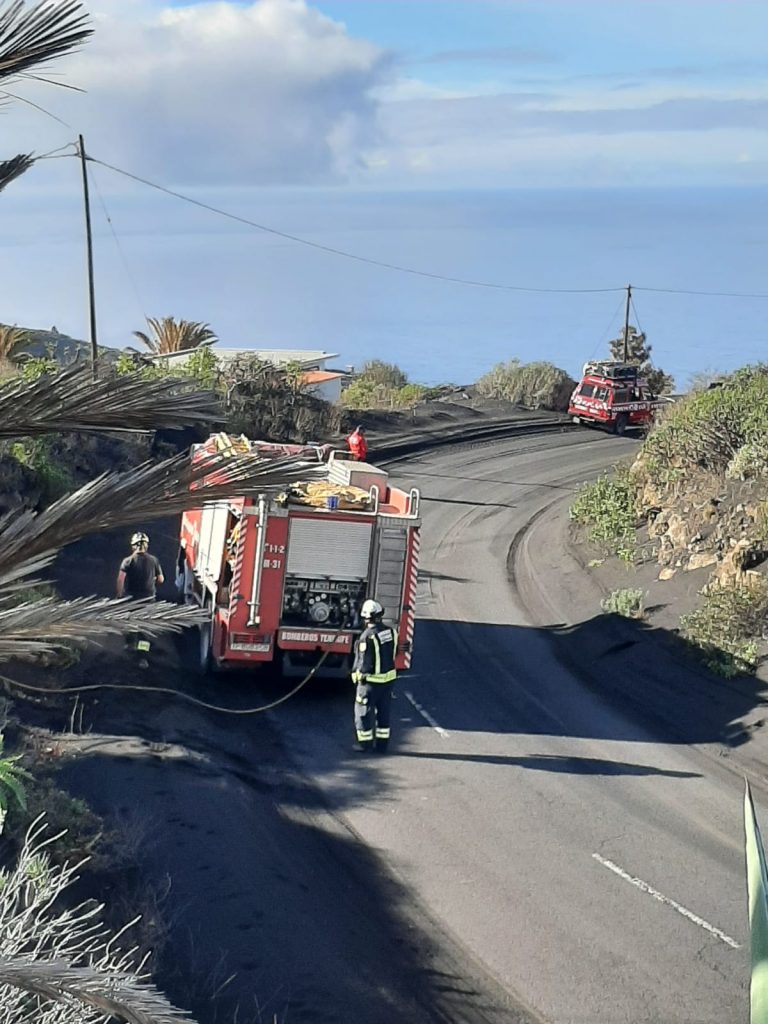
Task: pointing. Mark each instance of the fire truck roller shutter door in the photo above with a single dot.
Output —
(338, 550)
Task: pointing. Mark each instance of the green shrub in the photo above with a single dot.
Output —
(363, 394)
(536, 385)
(713, 429)
(37, 366)
(628, 602)
(750, 461)
(37, 454)
(381, 385)
(729, 625)
(607, 507)
(409, 394)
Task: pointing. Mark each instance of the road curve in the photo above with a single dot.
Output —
(592, 869)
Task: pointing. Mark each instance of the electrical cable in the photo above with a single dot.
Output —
(604, 336)
(686, 291)
(173, 693)
(120, 250)
(341, 252)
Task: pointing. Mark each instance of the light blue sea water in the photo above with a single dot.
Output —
(257, 289)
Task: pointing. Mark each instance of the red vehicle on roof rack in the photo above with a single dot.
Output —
(283, 578)
(614, 395)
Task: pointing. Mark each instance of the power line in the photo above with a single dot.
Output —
(120, 250)
(399, 268)
(687, 291)
(343, 253)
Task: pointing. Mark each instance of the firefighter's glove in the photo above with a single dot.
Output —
(357, 677)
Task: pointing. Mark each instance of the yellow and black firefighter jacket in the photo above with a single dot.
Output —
(375, 655)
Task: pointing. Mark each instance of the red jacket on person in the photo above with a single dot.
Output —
(358, 445)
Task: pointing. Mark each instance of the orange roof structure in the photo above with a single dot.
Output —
(319, 376)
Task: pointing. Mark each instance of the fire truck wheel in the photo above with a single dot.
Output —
(622, 421)
(204, 658)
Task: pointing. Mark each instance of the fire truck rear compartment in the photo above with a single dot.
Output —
(327, 572)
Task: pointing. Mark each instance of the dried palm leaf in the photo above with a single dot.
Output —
(30, 540)
(31, 36)
(72, 400)
(118, 996)
(31, 632)
(14, 168)
(172, 335)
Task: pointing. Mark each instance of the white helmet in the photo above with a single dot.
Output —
(371, 609)
(139, 540)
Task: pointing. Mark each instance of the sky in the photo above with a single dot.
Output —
(528, 143)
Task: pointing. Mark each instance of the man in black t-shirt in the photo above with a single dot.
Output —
(140, 573)
(139, 577)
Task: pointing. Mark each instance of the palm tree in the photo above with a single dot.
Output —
(171, 335)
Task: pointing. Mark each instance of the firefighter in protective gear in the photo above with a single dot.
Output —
(373, 674)
(139, 576)
(358, 446)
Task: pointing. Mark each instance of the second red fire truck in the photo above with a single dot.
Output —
(613, 395)
(283, 578)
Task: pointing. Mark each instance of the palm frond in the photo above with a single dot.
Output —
(14, 168)
(117, 995)
(58, 962)
(30, 540)
(72, 400)
(31, 36)
(31, 632)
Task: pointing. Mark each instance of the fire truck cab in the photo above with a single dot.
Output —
(613, 395)
(283, 577)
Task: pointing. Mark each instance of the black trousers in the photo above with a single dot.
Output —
(373, 709)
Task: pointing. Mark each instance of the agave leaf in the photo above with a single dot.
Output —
(757, 893)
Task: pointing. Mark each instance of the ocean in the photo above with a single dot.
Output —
(161, 257)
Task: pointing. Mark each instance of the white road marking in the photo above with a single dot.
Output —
(426, 716)
(644, 887)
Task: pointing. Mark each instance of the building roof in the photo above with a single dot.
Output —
(275, 356)
(320, 376)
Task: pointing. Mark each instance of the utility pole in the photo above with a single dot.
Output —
(626, 323)
(89, 252)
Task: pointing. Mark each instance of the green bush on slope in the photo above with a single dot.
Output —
(607, 507)
(728, 625)
(536, 385)
(713, 429)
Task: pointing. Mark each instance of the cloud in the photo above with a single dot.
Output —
(266, 92)
(489, 55)
(513, 116)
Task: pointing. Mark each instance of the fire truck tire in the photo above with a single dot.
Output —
(205, 639)
(622, 422)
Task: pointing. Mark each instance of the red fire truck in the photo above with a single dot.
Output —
(283, 577)
(613, 395)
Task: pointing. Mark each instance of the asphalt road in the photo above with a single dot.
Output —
(529, 851)
(593, 867)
